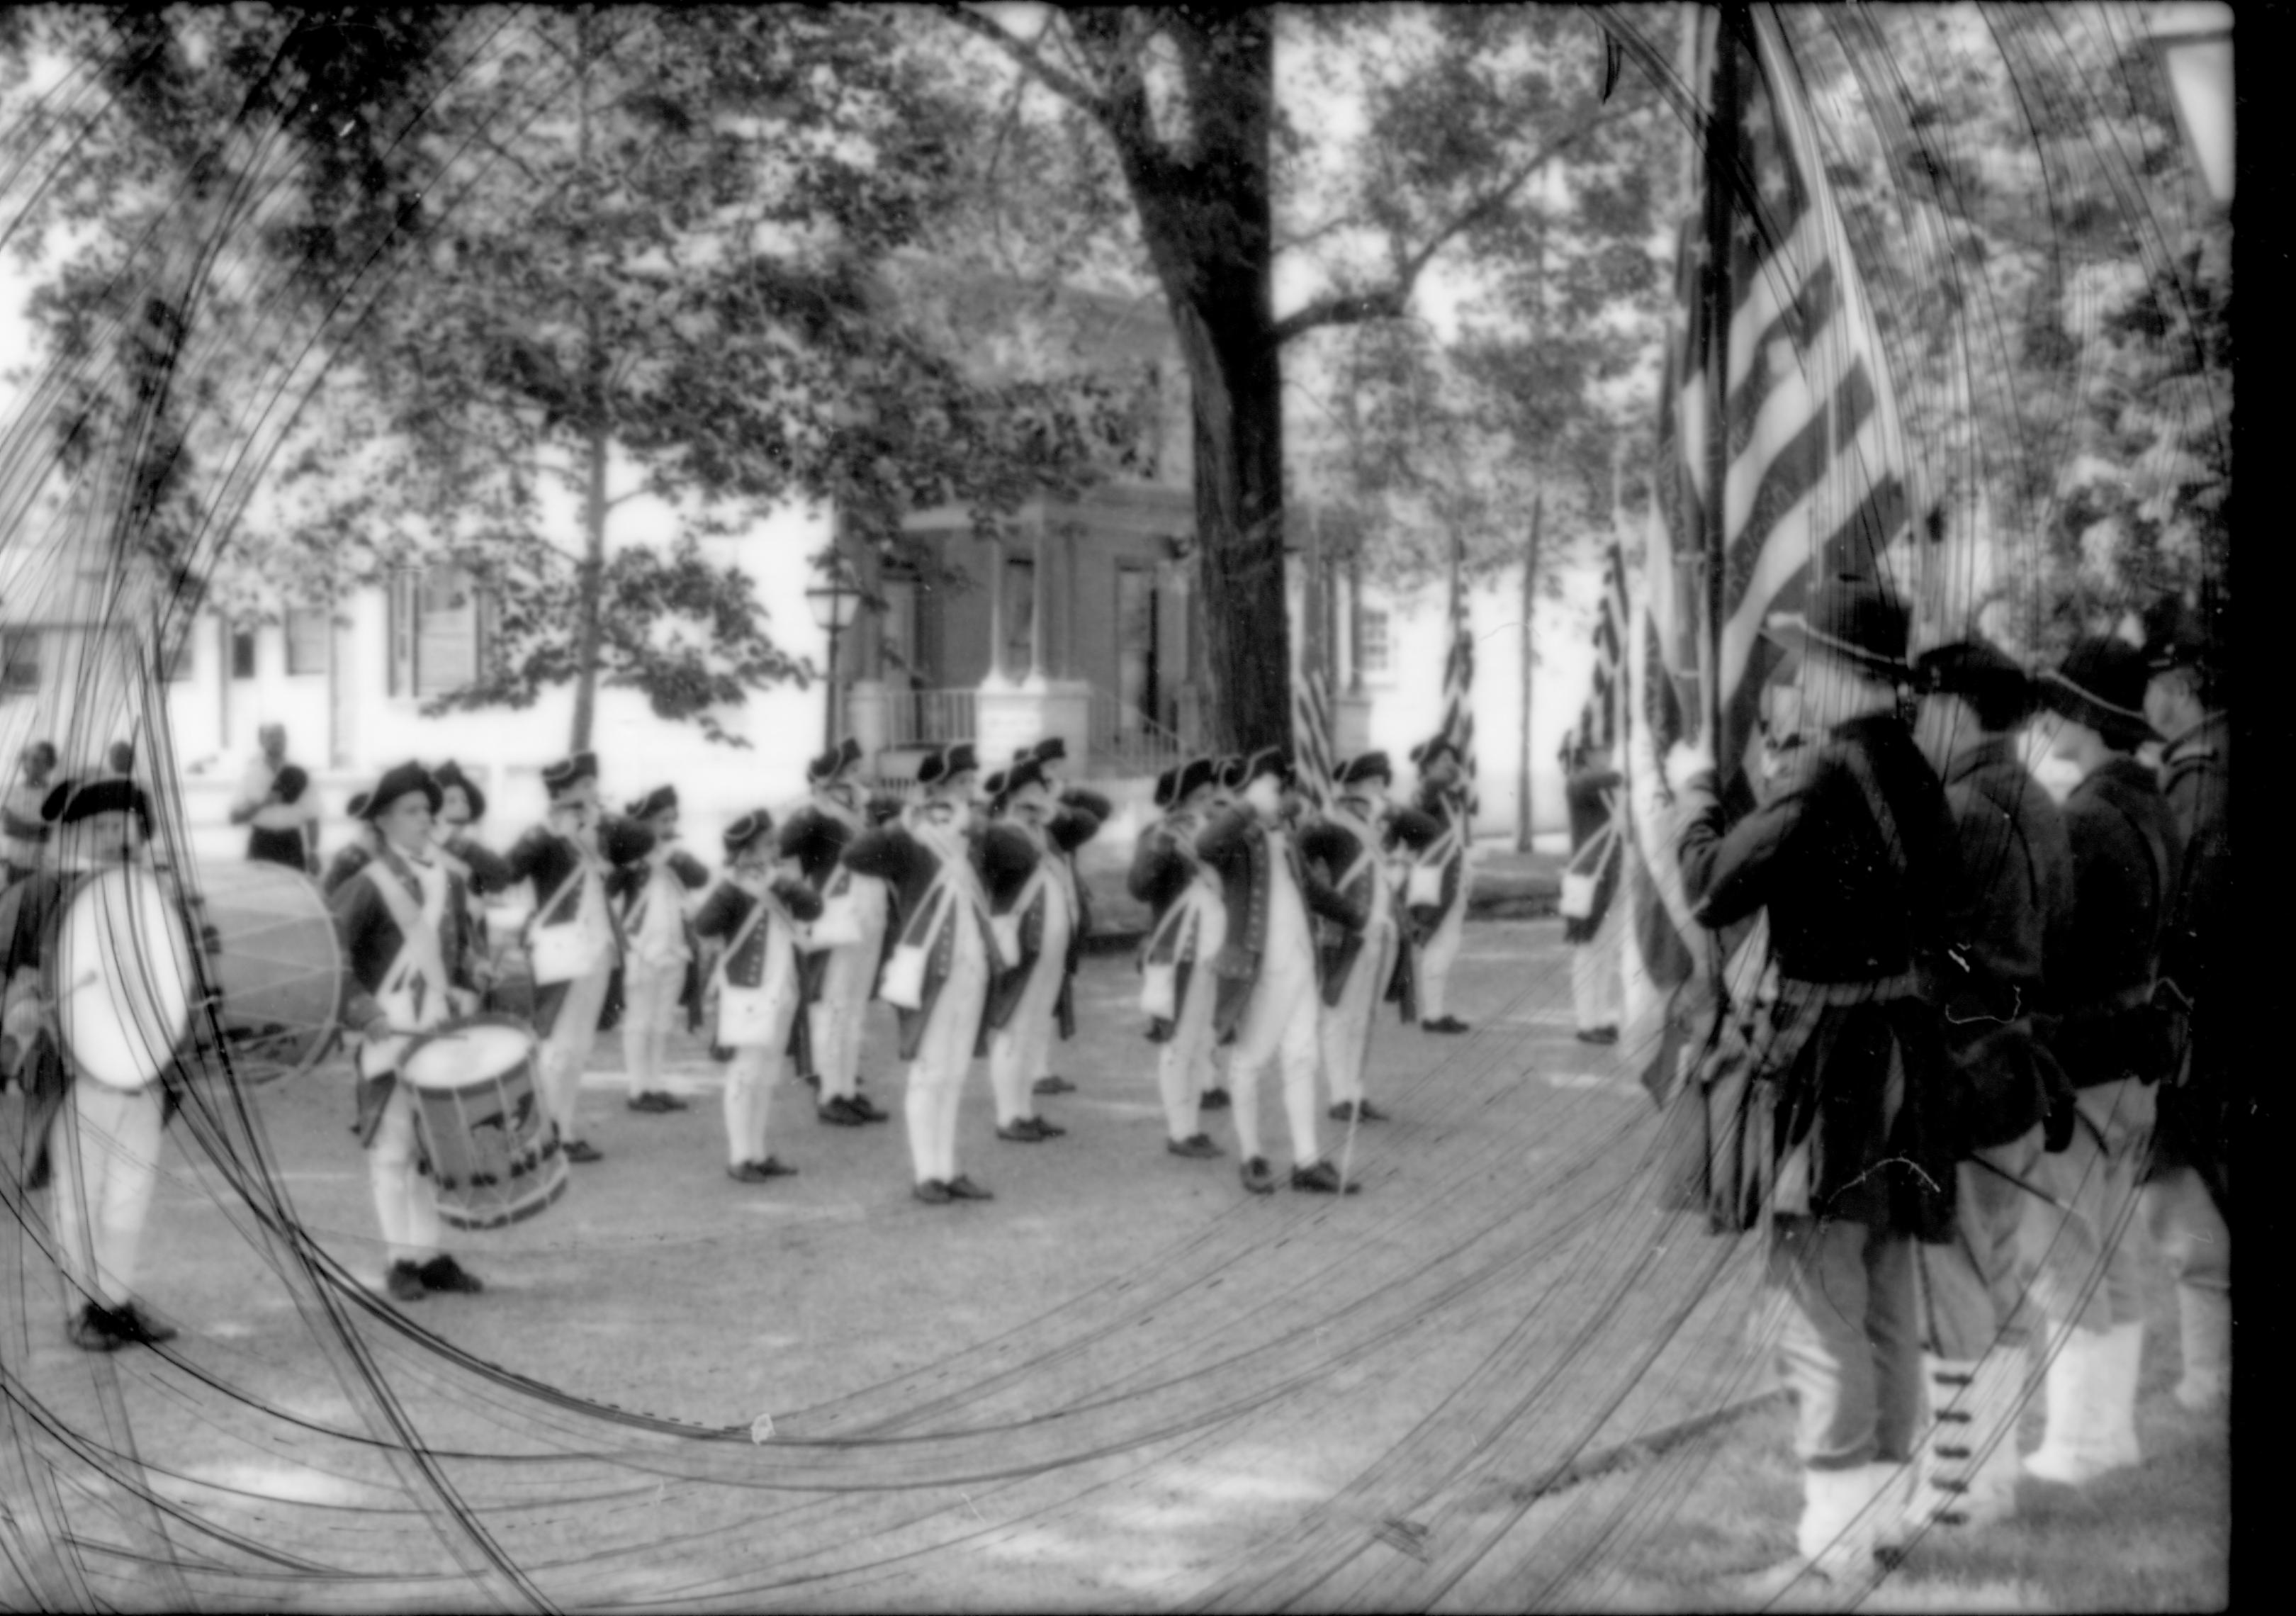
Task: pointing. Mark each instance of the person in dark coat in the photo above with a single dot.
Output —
(1051, 756)
(750, 922)
(1025, 998)
(2111, 1040)
(2187, 1195)
(484, 873)
(1590, 791)
(1269, 971)
(950, 879)
(406, 969)
(2012, 892)
(1850, 855)
(658, 953)
(1187, 925)
(1438, 927)
(283, 826)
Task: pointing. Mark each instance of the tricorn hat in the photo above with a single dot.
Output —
(397, 782)
(1367, 766)
(1229, 772)
(662, 800)
(1005, 786)
(1051, 749)
(1196, 775)
(829, 765)
(1274, 760)
(2101, 683)
(1428, 753)
(948, 763)
(746, 830)
(450, 774)
(1168, 787)
(564, 775)
(1851, 618)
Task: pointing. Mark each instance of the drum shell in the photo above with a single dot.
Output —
(277, 967)
(102, 1051)
(494, 1157)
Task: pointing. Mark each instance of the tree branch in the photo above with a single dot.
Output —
(1067, 87)
(1387, 302)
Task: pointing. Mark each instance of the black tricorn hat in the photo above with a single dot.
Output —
(1992, 681)
(1274, 760)
(291, 783)
(108, 796)
(1013, 781)
(658, 800)
(1229, 772)
(1168, 787)
(562, 777)
(1196, 775)
(397, 782)
(948, 763)
(1428, 753)
(746, 830)
(2101, 683)
(827, 766)
(1051, 749)
(450, 774)
(1368, 765)
(1853, 618)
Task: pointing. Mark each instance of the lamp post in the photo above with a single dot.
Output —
(833, 604)
(2195, 45)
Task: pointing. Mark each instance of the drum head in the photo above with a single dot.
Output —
(474, 1049)
(277, 968)
(124, 978)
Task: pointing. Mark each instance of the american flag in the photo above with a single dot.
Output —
(1459, 691)
(1813, 477)
(1597, 731)
(1311, 739)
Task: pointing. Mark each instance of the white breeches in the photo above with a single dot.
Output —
(1435, 960)
(1019, 1050)
(1347, 1025)
(1183, 1066)
(103, 1151)
(838, 1016)
(566, 1052)
(649, 995)
(406, 1201)
(749, 1078)
(1597, 987)
(936, 1082)
(1282, 1020)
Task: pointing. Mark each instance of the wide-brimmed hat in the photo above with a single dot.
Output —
(1365, 766)
(400, 781)
(1989, 678)
(450, 774)
(567, 773)
(1852, 618)
(947, 762)
(2101, 683)
(662, 800)
(746, 830)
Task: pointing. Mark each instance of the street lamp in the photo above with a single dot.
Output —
(833, 605)
(2194, 44)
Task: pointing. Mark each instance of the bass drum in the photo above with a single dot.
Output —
(276, 968)
(121, 974)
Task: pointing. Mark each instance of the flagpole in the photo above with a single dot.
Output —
(1721, 175)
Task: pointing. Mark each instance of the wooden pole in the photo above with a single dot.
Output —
(1522, 827)
(1721, 178)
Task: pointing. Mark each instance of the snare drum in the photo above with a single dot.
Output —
(277, 968)
(493, 1156)
(122, 977)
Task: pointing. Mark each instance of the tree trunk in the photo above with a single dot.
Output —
(1522, 827)
(593, 586)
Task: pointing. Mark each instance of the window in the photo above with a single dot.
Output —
(242, 653)
(306, 640)
(1020, 615)
(1373, 657)
(20, 661)
(437, 630)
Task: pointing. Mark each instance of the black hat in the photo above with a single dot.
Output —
(1051, 749)
(396, 782)
(1274, 760)
(2101, 683)
(1995, 684)
(827, 766)
(564, 776)
(658, 800)
(1005, 786)
(624, 840)
(449, 773)
(1196, 775)
(1851, 618)
(111, 796)
(1229, 772)
(1427, 754)
(357, 807)
(746, 830)
(290, 781)
(1168, 785)
(948, 762)
(1370, 766)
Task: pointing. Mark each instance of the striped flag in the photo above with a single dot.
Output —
(1597, 731)
(1459, 692)
(1311, 739)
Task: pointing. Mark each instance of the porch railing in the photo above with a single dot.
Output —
(1125, 740)
(927, 717)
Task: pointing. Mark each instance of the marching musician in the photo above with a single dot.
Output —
(353, 855)
(944, 878)
(23, 834)
(484, 871)
(574, 939)
(2107, 1034)
(1354, 849)
(658, 975)
(1051, 757)
(404, 926)
(274, 804)
(1187, 927)
(1026, 1000)
(1441, 925)
(1268, 969)
(99, 1144)
(840, 980)
(2010, 894)
(1589, 791)
(751, 921)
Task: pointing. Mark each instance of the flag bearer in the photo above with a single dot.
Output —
(1440, 918)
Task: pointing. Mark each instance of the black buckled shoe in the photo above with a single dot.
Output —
(582, 1150)
(1598, 1035)
(1322, 1178)
(1024, 1132)
(405, 1282)
(961, 1188)
(96, 1330)
(1358, 1112)
(1196, 1147)
(1448, 1023)
(1047, 1130)
(932, 1192)
(838, 1112)
(773, 1167)
(1258, 1177)
(138, 1328)
(868, 1112)
(443, 1273)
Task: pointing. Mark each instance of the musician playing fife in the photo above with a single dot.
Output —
(1051, 756)
(1025, 1000)
(753, 916)
(658, 977)
(102, 1142)
(1357, 846)
(943, 876)
(1187, 928)
(405, 924)
(839, 981)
